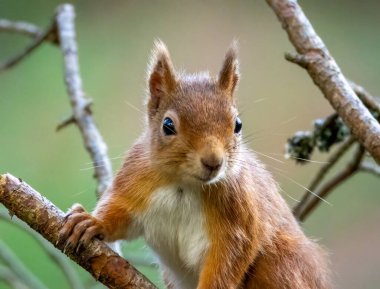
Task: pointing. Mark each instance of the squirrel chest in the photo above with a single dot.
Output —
(174, 227)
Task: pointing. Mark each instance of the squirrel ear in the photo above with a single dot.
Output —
(161, 74)
(229, 74)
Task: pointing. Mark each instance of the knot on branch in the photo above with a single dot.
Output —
(304, 60)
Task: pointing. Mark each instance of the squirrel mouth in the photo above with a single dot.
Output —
(206, 179)
(207, 176)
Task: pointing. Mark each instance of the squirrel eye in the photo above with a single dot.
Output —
(238, 125)
(168, 126)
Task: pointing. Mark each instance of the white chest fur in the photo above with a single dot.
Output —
(174, 226)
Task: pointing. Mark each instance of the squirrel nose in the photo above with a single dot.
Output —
(212, 163)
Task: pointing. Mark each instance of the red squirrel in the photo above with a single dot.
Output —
(201, 199)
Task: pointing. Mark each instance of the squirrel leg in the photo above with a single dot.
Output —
(224, 271)
(295, 264)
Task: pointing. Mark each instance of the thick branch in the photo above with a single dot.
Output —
(322, 68)
(42, 216)
(81, 106)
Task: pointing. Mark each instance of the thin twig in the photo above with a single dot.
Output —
(13, 263)
(10, 278)
(42, 216)
(20, 27)
(338, 179)
(59, 259)
(81, 112)
(322, 68)
(64, 123)
(48, 34)
(370, 167)
(318, 178)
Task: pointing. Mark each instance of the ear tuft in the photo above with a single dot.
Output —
(229, 74)
(161, 74)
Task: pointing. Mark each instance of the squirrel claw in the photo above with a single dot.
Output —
(79, 246)
(78, 229)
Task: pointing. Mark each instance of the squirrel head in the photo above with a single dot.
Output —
(193, 124)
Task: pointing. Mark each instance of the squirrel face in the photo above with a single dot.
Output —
(194, 128)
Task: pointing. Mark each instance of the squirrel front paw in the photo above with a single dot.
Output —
(79, 228)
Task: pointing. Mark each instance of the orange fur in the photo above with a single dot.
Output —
(247, 236)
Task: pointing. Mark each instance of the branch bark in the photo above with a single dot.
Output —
(82, 115)
(322, 68)
(42, 216)
(368, 100)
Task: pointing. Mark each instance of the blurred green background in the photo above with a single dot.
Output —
(276, 99)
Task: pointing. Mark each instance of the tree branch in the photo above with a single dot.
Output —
(48, 34)
(62, 32)
(82, 114)
(322, 68)
(20, 27)
(104, 264)
(338, 179)
(318, 178)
